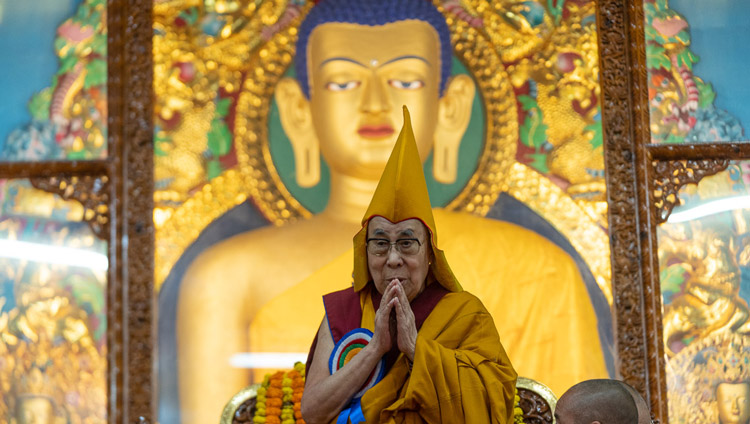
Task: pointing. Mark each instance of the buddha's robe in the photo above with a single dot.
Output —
(460, 371)
(532, 289)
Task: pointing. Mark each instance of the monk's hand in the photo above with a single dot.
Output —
(407, 327)
(382, 338)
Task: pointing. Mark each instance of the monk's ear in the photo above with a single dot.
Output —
(296, 119)
(454, 114)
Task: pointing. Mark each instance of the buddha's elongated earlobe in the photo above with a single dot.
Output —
(454, 114)
(296, 119)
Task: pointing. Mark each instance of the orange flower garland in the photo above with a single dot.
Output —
(280, 396)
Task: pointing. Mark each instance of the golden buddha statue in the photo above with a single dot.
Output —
(709, 381)
(34, 400)
(32, 396)
(700, 283)
(51, 369)
(260, 291)
(733, 402)
(35, 410)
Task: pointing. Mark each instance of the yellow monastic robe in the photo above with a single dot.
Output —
(532, 289)
(460, 374)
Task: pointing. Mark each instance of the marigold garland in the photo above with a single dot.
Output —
(279, 397)
(517, 411)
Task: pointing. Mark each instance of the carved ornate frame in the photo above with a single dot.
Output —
(642, 183)
(634, 169)
(124, 186)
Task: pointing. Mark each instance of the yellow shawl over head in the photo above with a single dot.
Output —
(402, 194)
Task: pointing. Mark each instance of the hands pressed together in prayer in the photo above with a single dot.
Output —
(326, 394)
(394, 322)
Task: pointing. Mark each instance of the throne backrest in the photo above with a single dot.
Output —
(241, 407)
(537, 401)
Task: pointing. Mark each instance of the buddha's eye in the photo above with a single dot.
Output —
(342, 86)
(406, 85)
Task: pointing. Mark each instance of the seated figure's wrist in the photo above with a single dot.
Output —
(413, 348)
(410, 356)
(411, 351)
(374, 346)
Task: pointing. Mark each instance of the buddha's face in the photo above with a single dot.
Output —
(733, 401)
(35, 410)
(360, 76)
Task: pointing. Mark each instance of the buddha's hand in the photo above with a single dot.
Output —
(407, 327)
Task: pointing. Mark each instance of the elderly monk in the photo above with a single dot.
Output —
(438, 343)
(598, 401)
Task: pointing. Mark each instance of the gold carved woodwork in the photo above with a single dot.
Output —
(117, 195)
(670, 176)
(92, 191)
(633, 214)
(631, 217)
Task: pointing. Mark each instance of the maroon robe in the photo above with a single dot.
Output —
(345, 314)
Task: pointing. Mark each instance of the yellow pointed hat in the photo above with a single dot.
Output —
(402, 194)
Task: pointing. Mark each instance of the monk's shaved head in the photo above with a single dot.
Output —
(644, 415)
(597, 401)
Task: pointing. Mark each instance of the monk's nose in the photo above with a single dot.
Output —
(394, 258)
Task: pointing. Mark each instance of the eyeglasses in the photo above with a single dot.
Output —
(405, 246)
